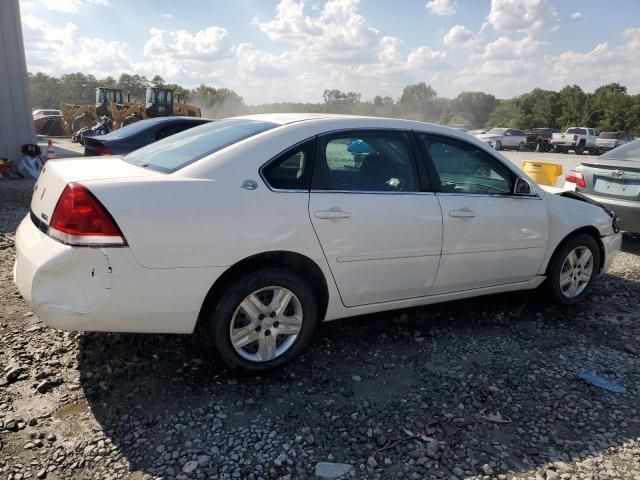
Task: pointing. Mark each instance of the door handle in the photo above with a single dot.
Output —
(331, 214)
(462, 213)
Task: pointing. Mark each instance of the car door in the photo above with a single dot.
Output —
(491, 236)
(379, 227)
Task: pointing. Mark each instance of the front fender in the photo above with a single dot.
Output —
(567, 215)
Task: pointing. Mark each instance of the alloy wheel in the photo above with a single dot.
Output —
(266, 324)
(576, 272)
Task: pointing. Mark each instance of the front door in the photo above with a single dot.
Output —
(491, 237)
(380, 232)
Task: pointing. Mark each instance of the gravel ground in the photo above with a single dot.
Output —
(477, 389)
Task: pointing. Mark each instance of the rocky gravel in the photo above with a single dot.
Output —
(479, 389)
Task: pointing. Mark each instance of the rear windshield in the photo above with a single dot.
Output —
(179, 150)
(628, 151)
(579, 131)
(610, 135)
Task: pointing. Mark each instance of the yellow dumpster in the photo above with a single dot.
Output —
(542, 172)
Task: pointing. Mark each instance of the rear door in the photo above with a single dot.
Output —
(379, 225)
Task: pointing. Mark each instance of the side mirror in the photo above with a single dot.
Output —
(523, 188)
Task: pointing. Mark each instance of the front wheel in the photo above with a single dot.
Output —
(498, 145)
(573, 269)
(522, 147)
(579, 149)
(263, 321)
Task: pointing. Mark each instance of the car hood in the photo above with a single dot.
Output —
(485, 137)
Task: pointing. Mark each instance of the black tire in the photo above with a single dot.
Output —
(214, 329)
(498, 145)
(130, 119)
(521, 147)
(82, 121)
(557, 262)
(579, 149)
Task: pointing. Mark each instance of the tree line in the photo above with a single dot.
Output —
(608, 108)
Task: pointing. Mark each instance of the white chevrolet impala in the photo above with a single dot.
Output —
(251, 230)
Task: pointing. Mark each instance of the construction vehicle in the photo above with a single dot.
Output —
(77, 117)
(159, 102)
(110, 102)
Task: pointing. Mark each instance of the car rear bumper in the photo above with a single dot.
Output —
(628, 211)
(105, 289)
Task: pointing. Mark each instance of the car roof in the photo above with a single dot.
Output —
(327, 121)
(173, 118)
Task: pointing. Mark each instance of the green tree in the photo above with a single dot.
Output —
(572, 103)
(474, 108)
(506, 114)
(416, 101)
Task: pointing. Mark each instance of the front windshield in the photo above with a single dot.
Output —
(628, 151)
(497, 131)
(181, 149)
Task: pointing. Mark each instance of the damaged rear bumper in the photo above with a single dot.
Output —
(105, 289)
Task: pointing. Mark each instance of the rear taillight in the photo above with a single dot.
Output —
(80, 219)
(577, 177)
(101, 149)
(575, 138)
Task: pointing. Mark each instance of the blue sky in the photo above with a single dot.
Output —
(278, 50)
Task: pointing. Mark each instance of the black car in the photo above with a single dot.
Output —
(540, 139)
(137, 135)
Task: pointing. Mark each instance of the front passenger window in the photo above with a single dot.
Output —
(466, 169)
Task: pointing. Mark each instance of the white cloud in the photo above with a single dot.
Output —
(576, 16)
(252, 61)
(459, 36)
(52, 49)
(506, 48)
(337, 33)
(167, 15)
(212, 43)
(442, 7)
(71, 6)
(521, 15)
(603, 64)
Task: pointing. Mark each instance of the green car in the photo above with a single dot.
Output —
(613, 179)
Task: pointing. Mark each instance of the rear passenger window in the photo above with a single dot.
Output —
(371, 162)
(290, 171)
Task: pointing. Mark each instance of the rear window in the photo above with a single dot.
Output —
(579, 131)
(179, 150)
(628, 151)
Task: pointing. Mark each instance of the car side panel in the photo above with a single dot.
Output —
(176, 222)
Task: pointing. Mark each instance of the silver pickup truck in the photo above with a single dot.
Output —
(577, 139)
(610, 140)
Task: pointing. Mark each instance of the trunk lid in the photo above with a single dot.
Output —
(612, 178)
(56, 174)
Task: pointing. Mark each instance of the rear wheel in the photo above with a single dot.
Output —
(573, 269)
(522, 147)
(498, 145)
(264, 321)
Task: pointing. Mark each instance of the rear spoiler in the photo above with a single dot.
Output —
(583, 198)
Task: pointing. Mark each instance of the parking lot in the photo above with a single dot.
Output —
(486, 388)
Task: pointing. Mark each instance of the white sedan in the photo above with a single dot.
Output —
(251, 230)
(503, 138)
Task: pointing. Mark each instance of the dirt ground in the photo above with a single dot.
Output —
(485, 388)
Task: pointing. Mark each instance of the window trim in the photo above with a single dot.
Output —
(436, 176)
(318, 185)
(290, 150)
